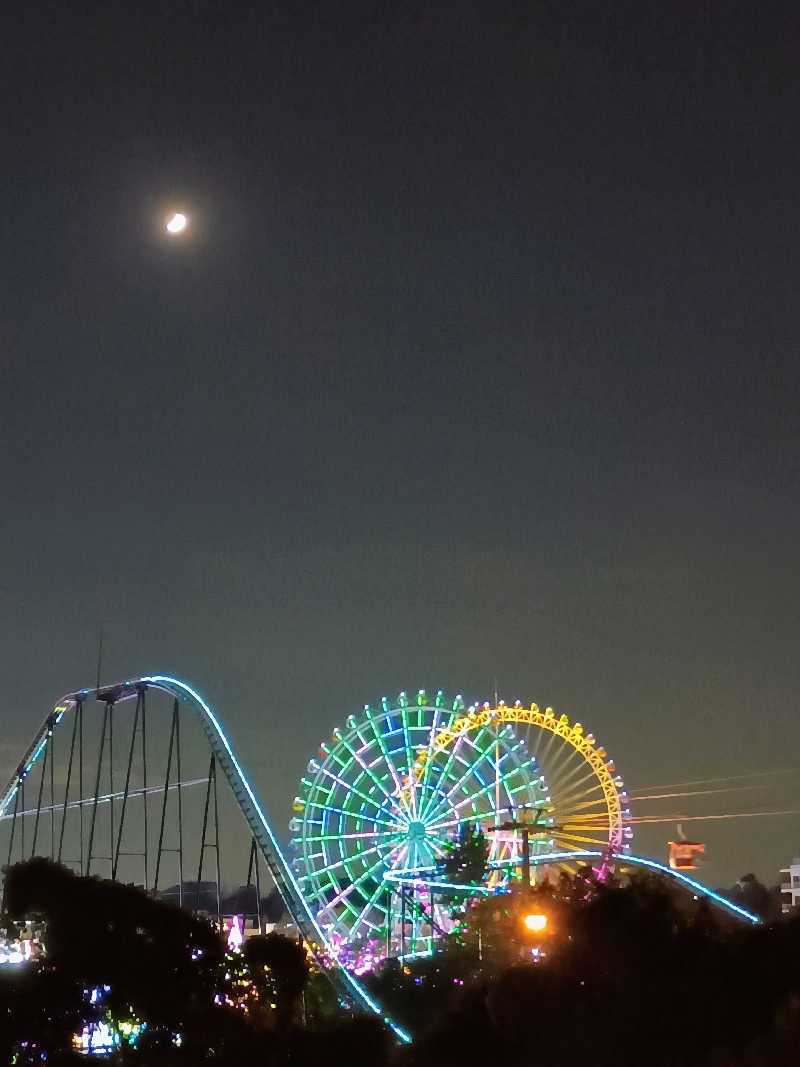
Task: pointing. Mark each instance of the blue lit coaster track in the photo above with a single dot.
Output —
(427, 878)
(347, 986)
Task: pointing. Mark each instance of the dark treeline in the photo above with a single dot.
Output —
(635, 974)
(629, 974)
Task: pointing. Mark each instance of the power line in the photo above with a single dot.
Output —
(699, 792)
(706, 818)
(726, 778)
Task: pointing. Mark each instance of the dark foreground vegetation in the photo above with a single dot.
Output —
(621, 975)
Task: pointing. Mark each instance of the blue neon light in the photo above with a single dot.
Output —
(555, 857)
(698, 887)
(164, 681)
(394, 876)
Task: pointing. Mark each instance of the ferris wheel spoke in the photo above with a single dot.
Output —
(451, 755)
(360, 918)
(578, 832)
(451, 824)
(424, 852)
(350, 788)
(585, 820)
(437, 804)
(398, 796)
(569, 800)
(577, 786)
(346, 813)
(353, 815)
(377, 891)
(568, 846)
(343, 897)
(368, 770)
(348, 837)
(411, 788)
(426, 773)
(582, 769)
(563, 836)
(497, 779)
(590, 809)
(485, 790)
(434, 846)
(472, 797)
(569, 805)
(563, 765)
(541, 746)
(344, 860)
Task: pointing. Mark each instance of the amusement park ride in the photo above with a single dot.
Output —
(683, 853)
(377, 812)
(389, 792)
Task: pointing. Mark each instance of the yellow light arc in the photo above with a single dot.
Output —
(572, 831)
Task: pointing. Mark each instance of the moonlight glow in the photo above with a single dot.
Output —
(177, 224)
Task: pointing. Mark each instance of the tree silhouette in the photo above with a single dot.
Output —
(465, 860)
(161, 964)
(278, 967)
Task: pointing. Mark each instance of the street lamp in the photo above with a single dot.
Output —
(535, 923)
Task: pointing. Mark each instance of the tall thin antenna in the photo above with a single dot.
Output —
(99, 653)
(496, 766)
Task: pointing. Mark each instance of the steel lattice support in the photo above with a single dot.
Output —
(223, 758)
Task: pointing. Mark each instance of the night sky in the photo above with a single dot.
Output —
(479, 362)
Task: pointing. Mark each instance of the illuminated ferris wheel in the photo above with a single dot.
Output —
(379, 800)
(398, 783)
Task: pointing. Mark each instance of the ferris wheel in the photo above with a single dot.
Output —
(379, 799)
(398, 782)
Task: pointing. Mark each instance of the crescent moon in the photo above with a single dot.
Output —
(177, 223)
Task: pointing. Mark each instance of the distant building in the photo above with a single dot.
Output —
(790, 886)
(201, 898)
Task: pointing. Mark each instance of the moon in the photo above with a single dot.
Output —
(178, 223)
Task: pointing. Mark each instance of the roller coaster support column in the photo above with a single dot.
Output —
(88, 870)
(14, 822)
(212, 781)
(174, 746)
(176, 717)
(45, 758)
(117, 849)
(111, 782)
(143, 695)
(75, 721)
(80, 775)
(254, 860)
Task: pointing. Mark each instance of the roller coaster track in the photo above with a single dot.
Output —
(423, 876)
(345, 983)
